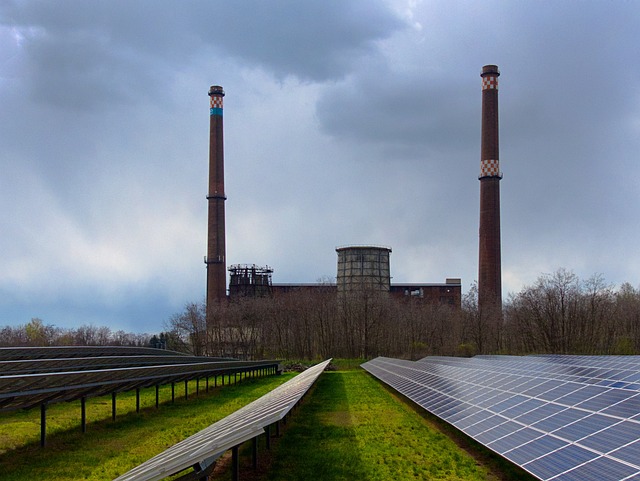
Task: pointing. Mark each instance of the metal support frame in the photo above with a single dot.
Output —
(201, 471)
(235, 464)
(267, 431)
(43, 425)
(254, 452)
(113, 406)
(157, 396)
(83, 414)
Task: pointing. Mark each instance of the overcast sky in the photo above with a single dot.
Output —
(346, 122)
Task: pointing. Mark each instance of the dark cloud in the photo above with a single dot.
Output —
(415, 112)
(314, 41)
(86, 55)
(345, 122)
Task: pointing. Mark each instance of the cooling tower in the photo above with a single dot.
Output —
(363, 268)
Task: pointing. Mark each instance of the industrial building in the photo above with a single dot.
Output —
(361, 268)
(249, 280)
(448, 293)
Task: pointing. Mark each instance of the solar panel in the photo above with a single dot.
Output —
(52, 352)
(246, 423)
(35, 366)
(18, 391)
(560, 418)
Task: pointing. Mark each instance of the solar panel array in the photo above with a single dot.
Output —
(245, 424)
(561, 418)
(26, 381)
(40, 366)
(53, 352)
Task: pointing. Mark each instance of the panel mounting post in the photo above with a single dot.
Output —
(235, 462)
(254, 453)
(83, 413)
(43, 424)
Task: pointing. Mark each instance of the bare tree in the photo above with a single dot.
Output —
(628, 315)
(189, 330)
(561, 314)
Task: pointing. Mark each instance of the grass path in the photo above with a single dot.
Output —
(351, 428)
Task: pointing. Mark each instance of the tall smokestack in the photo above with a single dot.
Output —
(490, 269)
(216, 260)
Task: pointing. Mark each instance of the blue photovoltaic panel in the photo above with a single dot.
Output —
(560, 418)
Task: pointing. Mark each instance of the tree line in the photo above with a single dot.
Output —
(36, 333)
(558, 314)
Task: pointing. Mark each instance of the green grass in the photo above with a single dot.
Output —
(347, 364)
(337, 364)
(109, 449)
(352, 428)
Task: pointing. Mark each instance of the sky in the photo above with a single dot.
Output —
(345, 122)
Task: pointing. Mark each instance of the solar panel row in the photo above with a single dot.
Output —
(36, 366)
(558, 417)
(53, 352)
(27, 382)
(247, 423)
(29, 390)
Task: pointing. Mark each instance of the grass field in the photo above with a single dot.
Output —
(21, 428)
(109, 448)
(348, 428)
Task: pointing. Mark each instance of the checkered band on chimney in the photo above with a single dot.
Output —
(489, 83)
(216, 101)
(490, 168)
